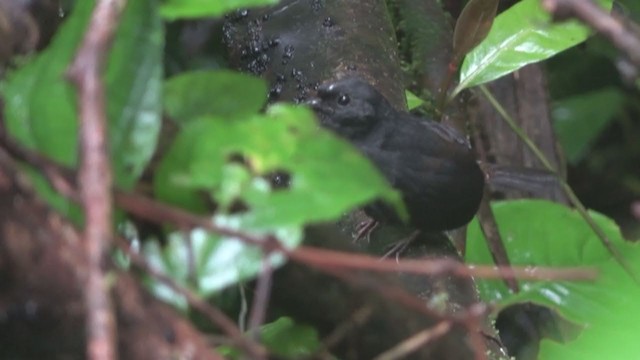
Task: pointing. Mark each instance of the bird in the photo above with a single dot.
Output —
(431, 164)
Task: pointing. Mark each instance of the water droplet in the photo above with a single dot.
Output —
(328, 22)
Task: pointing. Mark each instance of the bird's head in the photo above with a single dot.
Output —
(349, 107)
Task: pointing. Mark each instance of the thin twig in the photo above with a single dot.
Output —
(398, 295)
(61, 179)
(516, 129)
(486, 218)
(95, 178)
(489, 228)
(340, 332)
(242, 314)
(261, 298)
(598, 19)
(604, 239)
(214, 315)
(415, 342)
(152, 210)
(328, 258)
(472, 320)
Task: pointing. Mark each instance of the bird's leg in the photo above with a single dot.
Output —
(364, 230)
(400, 246)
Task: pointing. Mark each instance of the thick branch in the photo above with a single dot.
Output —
(95, 178)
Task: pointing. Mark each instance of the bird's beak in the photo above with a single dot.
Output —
(318, 106)
(313, 103)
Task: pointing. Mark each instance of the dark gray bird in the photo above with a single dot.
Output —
(431, 164)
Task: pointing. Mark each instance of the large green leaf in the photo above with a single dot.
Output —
(40, 109)
(220, 93)
(327, 176)
(207, 263)
(540, 233)
(521, 35)
(176, 9)
(134, 90)
(39, 104)
(580, 119)
(630, 8)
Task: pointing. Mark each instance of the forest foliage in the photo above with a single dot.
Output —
(219, 113)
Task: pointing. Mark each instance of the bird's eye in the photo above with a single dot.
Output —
(343, 99)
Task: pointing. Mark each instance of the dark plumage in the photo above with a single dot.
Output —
(432, 165)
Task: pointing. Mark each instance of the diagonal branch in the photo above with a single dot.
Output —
(149, 209)
(333, 263)
(590, 13)
(217, 317)
(420, 339)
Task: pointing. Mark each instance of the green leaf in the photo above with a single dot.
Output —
(284, 338)
(629, 9)
(207, 263)
(473, 25)
(39, 103)
(327, 176)
(177, 9)
(223, 94)
(413, 101)
(134, 90)
(540, 233)
(40, 106)
(521, 35)
(580, 119)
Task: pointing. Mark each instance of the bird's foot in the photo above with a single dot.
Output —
(400, 246)
(364, 230)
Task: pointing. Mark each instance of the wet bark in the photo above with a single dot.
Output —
(295, 46)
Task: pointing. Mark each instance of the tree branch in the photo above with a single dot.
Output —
(94, 175)
(598, 19)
